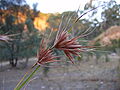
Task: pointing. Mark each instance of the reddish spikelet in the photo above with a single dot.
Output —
(70, 47)
(45, 55)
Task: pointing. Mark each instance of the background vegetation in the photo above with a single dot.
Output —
(29, 25)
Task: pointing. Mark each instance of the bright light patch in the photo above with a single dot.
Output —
(53, 6)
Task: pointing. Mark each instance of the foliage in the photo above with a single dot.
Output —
(111, 14)
(25, 40)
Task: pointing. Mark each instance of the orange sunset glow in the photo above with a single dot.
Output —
(40, 22)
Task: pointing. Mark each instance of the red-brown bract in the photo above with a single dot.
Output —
(69, 46)
(45, 55)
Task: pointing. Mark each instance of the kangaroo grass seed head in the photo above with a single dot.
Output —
(63, 42)
(69, 46)
(45, 55)
(5, 38)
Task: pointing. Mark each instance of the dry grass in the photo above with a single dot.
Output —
(113, 33)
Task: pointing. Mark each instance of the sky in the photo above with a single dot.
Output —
(54, 6)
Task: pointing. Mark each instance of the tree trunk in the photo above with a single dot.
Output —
(13, 62)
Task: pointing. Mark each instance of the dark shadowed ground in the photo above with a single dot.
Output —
(90, 76)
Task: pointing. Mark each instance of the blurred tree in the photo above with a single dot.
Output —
(54, 21)
(8, 4)
(26, 38)
(111, 15)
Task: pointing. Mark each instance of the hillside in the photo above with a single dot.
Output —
(112, 33)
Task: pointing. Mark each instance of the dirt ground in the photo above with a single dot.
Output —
(89, 76)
